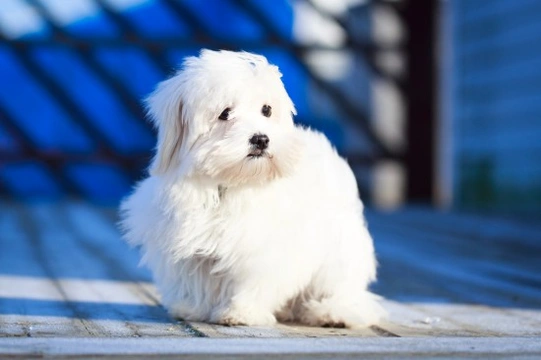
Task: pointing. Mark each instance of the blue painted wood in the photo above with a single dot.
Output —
(444, 257)
(497, 111)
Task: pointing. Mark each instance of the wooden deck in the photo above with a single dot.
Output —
(455, 284)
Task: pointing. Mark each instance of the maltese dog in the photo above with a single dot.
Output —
(246, 218)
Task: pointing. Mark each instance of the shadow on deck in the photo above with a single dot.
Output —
(65, 272)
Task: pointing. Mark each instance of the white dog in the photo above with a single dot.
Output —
(245, 217)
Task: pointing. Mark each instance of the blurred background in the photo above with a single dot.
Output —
(431, 101)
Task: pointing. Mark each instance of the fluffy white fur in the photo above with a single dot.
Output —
(237, 239)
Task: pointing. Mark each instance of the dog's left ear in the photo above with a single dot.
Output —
(164, 106)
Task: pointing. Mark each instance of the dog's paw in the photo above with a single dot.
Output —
(323, 318)
(231, 321)
(332, 312)
(246, 318)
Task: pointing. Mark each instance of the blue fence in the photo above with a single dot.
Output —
(71, 120)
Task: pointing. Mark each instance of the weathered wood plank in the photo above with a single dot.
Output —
(328, 348)
(278, 331)
(65, 272)
(37, 307)
(121, 292)
(485, 320)
(62, 327)
(125, 313)
(422, 319)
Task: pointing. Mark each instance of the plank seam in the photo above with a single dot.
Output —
(383, 332)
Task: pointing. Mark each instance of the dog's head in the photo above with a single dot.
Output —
(226, 116)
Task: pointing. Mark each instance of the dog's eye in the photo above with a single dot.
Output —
(225, 114)
(266, 110)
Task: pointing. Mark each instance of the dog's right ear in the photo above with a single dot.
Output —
(164, 106)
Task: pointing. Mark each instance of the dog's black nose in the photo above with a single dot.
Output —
(260, 141)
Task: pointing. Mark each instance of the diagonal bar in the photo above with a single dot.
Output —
(86, 57)
(184, 13)
(29, 151)
(367, 50)
(103, 145)
(130, 33)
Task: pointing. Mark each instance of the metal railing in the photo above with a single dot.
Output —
(420, 70)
